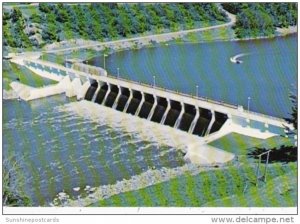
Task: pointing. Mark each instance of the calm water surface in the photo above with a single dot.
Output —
(267, 74)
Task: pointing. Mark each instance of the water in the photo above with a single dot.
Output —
(63, 144)
(62, 148)
(268, 71)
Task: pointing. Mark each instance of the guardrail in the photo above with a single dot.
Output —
(176, 92)
(266, 116)
(232, 106)
(205, 99)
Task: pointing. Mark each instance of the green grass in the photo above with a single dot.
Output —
(223, 33)
(241, 144)
(217, 188)
(280, 191)
(12, 71)
(59, 58)
(220, 187)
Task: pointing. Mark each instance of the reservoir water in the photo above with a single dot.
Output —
(267, 74)
(59, 148)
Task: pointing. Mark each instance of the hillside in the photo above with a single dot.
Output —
(35, 26)
(232, 186)
(255, 20)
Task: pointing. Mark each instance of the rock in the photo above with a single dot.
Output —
(92, 189)
(76, 188)
(62, 194)
(36, 39)
(92, 196)
(87, 188)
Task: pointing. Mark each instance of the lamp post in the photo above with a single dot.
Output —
(197, 90)
(154, 80)
(104, 55)
(118, 72)
(249, 98)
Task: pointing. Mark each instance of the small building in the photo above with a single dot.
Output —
(90, 69)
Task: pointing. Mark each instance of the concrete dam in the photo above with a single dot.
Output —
(156, 108)
(197, 116)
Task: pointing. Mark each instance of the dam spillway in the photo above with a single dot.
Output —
(195, 115)
(178, 115)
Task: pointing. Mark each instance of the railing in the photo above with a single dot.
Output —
(232, 106)
(205, 99)
(176, 92)
(264, 115)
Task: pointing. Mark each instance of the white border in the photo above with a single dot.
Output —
(205, 212)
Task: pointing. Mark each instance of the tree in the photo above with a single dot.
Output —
(35, 18)
(253, 23)
(6, 16)
(283, 153)
(294, 114)
(261, 19)
(62, 16)
(50, 33)
(11, 196)
(45, 7)
(16, 15)
(107, 21)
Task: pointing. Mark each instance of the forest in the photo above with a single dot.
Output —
(103, 21)
(254, 20)
(54, 22)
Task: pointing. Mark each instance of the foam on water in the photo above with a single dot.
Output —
(140, 128)
(63, 146)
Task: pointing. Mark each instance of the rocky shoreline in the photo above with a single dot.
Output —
(145, 179)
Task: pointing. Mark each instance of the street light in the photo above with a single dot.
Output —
(104, 55)
(118, 72)
(154, 80)
(249, 98)
(197, 90)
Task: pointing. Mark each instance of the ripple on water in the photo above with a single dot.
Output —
(66, 149)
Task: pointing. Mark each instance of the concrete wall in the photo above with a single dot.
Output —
(198, 116)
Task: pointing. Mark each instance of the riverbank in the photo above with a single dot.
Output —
(137, 182)
(123, 44)
(209, 34)
(229, 187)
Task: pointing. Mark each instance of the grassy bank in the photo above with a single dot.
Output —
(241, 144)
(231, 186)
(12, 72)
